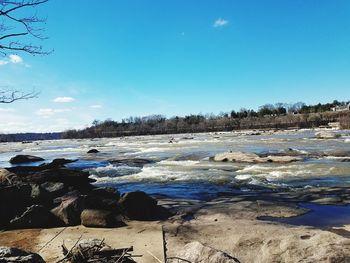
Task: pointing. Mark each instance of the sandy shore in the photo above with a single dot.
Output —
(227, 224)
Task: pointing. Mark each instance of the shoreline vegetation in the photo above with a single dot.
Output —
(277, 116)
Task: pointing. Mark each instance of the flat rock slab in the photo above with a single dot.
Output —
(145, 237)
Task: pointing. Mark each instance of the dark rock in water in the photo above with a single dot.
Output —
(59, 162)
(13, 255)
(33, 217)
(69, 177)
(69, 210)
(140, 206)
(99, 218)
(19, 159)
(138, 162)
(93, 151)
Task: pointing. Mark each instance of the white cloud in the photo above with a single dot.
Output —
(64, 99)
(7, 110)
(48, 112)
(220, 22)
(15, 59)
(3, 62)
(96, 106)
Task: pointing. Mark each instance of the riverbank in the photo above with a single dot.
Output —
(228, 224)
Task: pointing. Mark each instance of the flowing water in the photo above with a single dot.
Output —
(182, 168)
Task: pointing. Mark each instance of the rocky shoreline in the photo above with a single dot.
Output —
(52, 195)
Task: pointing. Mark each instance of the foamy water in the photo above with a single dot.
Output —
(183, 168)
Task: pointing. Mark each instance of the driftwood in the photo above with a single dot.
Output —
(96, 251)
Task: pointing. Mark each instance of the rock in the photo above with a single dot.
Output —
(34, 217)
(138, 205)
(69, 177)
(283, 159)
(237, 157)
(59, 162)
(69, 210)
(7, 178)
(19, 159)
(93, 151)
(103, 198)
(326, 135)
(99, 218)
(39, 194)
(242, 157)
(12, 255)
(328, 200)
(54, 188)
(137, 162)
(196, 252)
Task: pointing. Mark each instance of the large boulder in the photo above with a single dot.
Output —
(19, 159)
(196, 252)
(138, 205)
(33, 217)
(103, 198)
(242, 157)
(99, 218)
(327, 135)
(12, 255)
(69, 210)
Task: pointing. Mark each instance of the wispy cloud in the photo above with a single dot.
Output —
(220, 22)
(96, 106)
(7, 110)
(48, 112)
(14, 59)
(63, 99)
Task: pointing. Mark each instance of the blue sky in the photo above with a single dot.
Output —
(114, 59)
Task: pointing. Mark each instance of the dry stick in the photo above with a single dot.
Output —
(149, 252)
(48, 242)
(70, 250)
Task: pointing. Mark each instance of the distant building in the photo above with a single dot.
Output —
(341, 107)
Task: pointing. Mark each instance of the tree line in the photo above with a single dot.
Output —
(275, 116)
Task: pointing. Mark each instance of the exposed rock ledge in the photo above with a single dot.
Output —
(242, 157)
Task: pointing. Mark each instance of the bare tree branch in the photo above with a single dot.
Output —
(9, 96)
(20, 26)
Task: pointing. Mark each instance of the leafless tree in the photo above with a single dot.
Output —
(15, 27)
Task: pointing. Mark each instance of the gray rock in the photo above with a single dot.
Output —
(69, 210)
(99, 218)
(12, 255)
(54, 188)
(19, 159)
(196, 252)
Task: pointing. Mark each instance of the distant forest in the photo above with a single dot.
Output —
(23, 137)
(272, 116)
